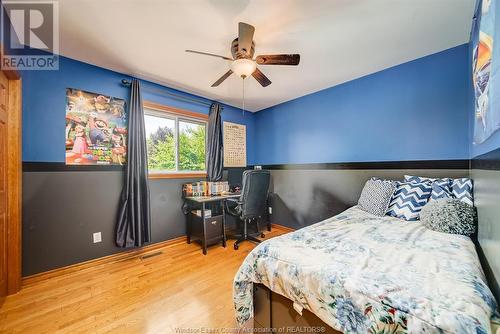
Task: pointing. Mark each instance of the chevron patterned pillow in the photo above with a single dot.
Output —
(440, 192)
(441, 188)
(420, 179)
(409, 199)
(462, 189)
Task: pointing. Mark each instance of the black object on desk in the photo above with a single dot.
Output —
(207, 230)
(252, 204)
(235, 177)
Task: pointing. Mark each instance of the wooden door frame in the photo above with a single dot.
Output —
(14, 180)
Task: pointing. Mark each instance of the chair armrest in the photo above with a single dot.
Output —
(234, 210)
(234, 200)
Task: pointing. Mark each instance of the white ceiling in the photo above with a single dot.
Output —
(339, 40)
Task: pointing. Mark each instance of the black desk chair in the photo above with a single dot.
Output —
(251, 205)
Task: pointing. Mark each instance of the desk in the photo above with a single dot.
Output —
(207, 230)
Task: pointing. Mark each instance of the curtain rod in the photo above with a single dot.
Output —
(180, 97)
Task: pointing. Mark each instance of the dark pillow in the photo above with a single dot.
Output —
(376, 195)
(449, 215)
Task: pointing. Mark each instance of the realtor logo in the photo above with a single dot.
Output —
(30, 35)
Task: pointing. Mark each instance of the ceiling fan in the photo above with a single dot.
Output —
(243, 49)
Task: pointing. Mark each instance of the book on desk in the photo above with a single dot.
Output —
(205, 188)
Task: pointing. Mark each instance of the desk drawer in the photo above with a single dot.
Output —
(213, 227)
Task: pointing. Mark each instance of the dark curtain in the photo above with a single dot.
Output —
(133, 227)
(214, 144)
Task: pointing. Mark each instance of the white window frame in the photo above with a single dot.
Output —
(177, 117)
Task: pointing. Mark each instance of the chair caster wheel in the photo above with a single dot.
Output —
(262, 235)
(236, 247)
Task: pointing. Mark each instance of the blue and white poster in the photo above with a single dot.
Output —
(486, 67)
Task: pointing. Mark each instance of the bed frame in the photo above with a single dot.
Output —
(273, 311)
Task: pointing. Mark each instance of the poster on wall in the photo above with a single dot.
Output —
(96, 129)
(486, 70)
(235, 145)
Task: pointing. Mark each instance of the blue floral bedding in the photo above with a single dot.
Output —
(360, 273)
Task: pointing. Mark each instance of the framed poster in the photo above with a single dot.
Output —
(96, 129)
(235, 145)
(486, 73)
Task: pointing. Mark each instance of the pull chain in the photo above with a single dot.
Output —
(243, 97)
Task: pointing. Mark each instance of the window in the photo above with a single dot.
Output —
(175, 141)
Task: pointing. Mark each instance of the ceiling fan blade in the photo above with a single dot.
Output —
(285, 59)
(209, 54)
(222, 78)
(245, 37)
(261, 78)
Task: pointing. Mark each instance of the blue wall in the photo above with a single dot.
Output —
(415, 111)
(44, 103)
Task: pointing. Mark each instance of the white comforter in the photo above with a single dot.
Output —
(361, 273)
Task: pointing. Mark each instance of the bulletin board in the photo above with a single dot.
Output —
(235, 145)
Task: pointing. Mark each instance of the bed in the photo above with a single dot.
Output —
(360, 273)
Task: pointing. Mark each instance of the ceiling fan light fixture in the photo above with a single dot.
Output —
(242, 51)
(243, 67)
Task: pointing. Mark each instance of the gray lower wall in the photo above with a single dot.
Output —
(487, 201)
(304, 197)
(61, 211)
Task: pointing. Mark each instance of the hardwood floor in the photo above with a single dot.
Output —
(178, 289)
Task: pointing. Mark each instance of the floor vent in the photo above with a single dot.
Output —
(147, 256)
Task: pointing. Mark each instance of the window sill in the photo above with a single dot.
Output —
(176, 175)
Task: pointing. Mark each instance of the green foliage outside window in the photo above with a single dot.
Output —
(192, 148)
(161, 149)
